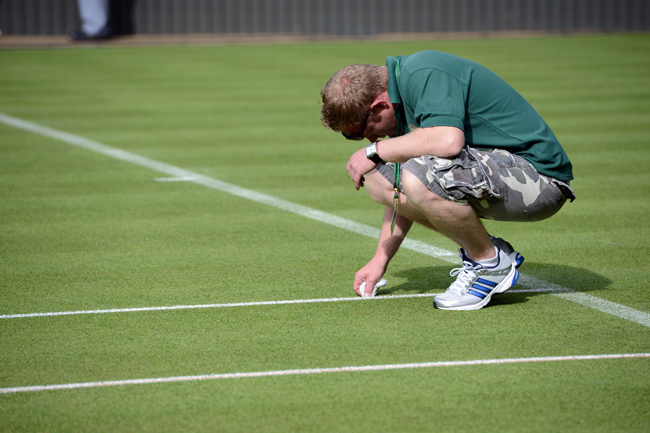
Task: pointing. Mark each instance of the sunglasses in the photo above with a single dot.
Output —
(359, 135)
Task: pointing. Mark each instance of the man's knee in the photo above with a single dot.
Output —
(378, 188)
(415, 190)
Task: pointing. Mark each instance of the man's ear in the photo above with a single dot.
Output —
(379, 104)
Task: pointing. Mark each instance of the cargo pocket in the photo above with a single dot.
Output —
(463, 177)
(564, 188)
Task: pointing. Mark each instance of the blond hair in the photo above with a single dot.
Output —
(347, 96)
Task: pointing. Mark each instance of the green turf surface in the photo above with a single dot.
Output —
(82, 231)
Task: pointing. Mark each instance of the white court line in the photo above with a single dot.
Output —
(586, 300)
(175, 179)
(236, 304)
(317, 371)
(190, 176)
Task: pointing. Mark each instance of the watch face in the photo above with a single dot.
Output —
(371, 153)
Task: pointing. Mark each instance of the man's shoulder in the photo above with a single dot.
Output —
(430, 58)
(437, 62)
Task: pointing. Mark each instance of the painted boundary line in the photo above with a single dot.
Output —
(583, 299)
(316, 371)
(235, 304)
(190, 176)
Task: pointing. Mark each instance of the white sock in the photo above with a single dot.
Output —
(490, 263)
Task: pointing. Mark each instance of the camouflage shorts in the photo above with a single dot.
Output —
(499, 185)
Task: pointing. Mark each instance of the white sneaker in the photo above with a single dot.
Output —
(475, 284)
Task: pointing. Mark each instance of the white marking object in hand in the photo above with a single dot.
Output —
(362, 288)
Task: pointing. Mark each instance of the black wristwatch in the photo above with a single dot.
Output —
(371, 153)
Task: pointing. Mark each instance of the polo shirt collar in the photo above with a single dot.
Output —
(393, 89)
(393, 64)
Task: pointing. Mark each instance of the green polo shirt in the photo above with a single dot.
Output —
(440, 89)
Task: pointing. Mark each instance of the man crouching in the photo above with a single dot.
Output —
(463, 145)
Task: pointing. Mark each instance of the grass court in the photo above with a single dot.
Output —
(230, 196)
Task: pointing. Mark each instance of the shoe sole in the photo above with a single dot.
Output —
(503, 286)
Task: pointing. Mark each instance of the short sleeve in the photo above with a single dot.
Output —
(435, 98)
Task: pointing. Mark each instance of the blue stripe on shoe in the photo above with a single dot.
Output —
(481, 288)
(487, 282)
(516, 278)
(477, 294)
(519, 259)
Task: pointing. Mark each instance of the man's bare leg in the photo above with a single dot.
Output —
(476, 283)
(460, 223)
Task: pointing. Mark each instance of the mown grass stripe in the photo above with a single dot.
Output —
(588, 300)
(336, 221)
(349, 369)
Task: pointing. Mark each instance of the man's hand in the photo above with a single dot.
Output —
(358, 165)
(370, 274)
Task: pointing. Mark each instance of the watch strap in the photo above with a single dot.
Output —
(371, 153)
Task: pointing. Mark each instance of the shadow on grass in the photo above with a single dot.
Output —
(577, 279)
(436, 279)
(432, 279)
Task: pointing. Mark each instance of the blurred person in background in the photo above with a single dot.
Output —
(95, 21)
(104, 19)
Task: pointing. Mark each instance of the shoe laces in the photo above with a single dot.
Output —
(465, 276)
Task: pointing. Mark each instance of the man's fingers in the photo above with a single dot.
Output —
(360, 286)
(357, 166)
(358, 282)
(367, 291)
(366, 288)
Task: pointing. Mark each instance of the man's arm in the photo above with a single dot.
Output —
(387, 246)
(441, 141)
